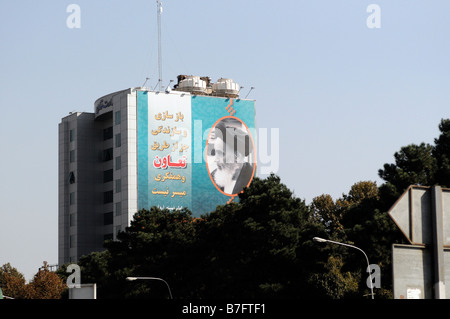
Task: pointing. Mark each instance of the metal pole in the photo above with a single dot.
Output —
(351, 246)
(438, 242)
(159, 11)
(151, 278)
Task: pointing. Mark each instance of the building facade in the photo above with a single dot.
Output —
(142, 148)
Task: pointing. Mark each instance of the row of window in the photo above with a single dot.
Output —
(107, 132)
(108, 176)
(107, 217)
(107, 154)
(109, 236)
(107, 196)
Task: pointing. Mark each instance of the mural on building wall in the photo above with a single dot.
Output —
(193, 151)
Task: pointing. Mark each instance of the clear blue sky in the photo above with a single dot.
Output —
(343, 96)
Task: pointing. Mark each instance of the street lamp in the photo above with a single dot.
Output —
(321, 240)
(151, 278)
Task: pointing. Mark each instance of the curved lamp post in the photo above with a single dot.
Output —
(151, 278)
(321, 240)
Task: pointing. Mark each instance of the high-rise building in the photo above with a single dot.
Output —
(191, 146)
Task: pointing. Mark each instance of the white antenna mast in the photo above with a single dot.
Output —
(159, 11)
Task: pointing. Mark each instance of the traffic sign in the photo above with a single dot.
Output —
(412, 214)
(413, 277)
(423, 215)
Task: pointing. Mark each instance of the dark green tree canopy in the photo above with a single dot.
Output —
(422, 164)
(261, 246)
(258, 247)
(414, 164)
(441, 152)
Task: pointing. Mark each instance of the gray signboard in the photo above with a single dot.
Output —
(413, 271)
(423, 215)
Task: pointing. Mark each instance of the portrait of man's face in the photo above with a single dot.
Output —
(230, 156)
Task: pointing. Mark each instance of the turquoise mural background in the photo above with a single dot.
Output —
(208, 110)
(202, 195)
(142, 149)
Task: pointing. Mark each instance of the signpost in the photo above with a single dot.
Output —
(423, 215)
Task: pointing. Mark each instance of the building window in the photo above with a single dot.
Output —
(72, 156)
(107, 155)
(108, 218)
(118, 163)
(118, 185)
(107, 197)
(107, 133)
(108, 176)
(118, 140)
(72, 135)
(71, 241)
(71, 198)
(117, 118)
(72, 220)
(71, 178)
(118, 208)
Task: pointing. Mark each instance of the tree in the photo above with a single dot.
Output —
(363, 222)
(334, 282)
(254, 248)
(12, 282)
(158, 243)
(330, 213)
(261, 247)
(364, 219)
(368, 226)
(414, 165)
(258, 247)
(362, 191)
(422, 164)
(254, 243)
(45, 285)
(441, 152)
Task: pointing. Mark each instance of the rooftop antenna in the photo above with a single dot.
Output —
(252, 88)
(157, 83)
(168, 89)
(159, 12)
(146, 79)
